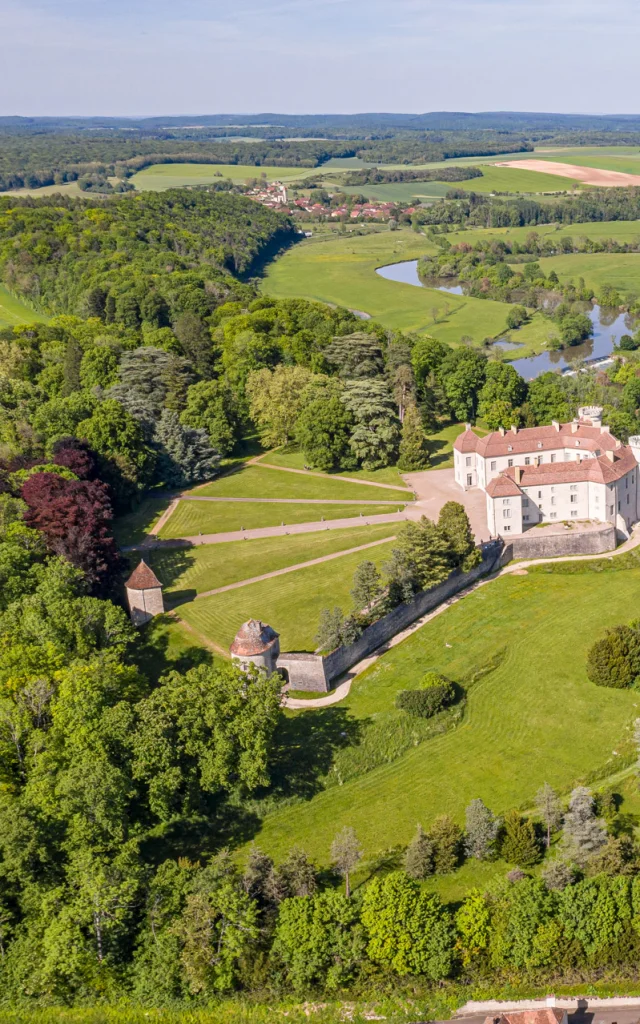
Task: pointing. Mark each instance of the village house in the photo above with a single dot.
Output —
(560, 472)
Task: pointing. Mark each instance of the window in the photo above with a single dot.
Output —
(553, 458)
(626, 483)
(577, 444)
(539, 494)
(506, 501)
(574, 512)
(553, 490)
(469, 480)
(467, 461)
(539, 444)
(553, 501)
(510, 463)
(506, 529)
(506, 513)
(525, 519)
(527, 461)
(610, 510)
(539, 460)
(525, 503)
(597, 499)
(553, 515)
(574, 498)
(597, 453)
(567, 456)
(627, 499)
(618, 506)
(494, 465)
(573, 487)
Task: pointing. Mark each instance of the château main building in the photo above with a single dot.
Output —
(563, 471)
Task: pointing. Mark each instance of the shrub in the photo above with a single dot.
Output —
(615, 659)
(436, 693)
(628, 343)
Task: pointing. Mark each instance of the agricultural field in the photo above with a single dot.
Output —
(13, 312)
(610, 158)
(620, 230)
(533, 718)
(187, 572)
(618, 270)
(193, 517)
(291, 604)
(159, 177)
(341, 270)
(257, 481)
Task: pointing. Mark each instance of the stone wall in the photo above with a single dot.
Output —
(144, 604)
(304, 671)
(538, 544)
(343, 658)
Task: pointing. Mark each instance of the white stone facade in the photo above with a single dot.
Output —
(557, 473)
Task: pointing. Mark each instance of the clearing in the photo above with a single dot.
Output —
(291, 604)
(587, 175)
(13, 312)
(534, 718)
(193, 517)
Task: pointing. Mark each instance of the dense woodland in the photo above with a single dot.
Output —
(126, 777)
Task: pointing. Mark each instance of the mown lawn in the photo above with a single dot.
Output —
(194, 517)
(293, 458)
(13, 312)
(291, 604)
(133, 527)
(260, 482)
(534, 718)
(186, 572)
(342, 270)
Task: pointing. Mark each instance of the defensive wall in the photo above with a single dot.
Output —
(537, 543)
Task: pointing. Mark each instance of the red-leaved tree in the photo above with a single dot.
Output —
(77, 456)
(74, 517)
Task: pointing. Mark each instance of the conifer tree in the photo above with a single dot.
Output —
(446, 837)
(414, 447)
(519, 843)
(482, 830)
(418, 860)
(549, 810)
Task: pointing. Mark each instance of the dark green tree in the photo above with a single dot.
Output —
(414, 447)
(418, 859)
(519, 844)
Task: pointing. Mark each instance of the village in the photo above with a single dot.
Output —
(275, 196)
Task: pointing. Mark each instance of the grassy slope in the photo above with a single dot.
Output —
(621, 230)
(258, 482)
(291, 604)
(292, 458)
(159, 177)
(195, 570)
(14, 312)
(341, 270)
(193, 517)
(535, 718)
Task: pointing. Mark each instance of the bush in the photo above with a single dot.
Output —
(615, 660)
(516, 317)
(628, 344)
(436, 693)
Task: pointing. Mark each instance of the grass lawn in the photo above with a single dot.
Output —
(441, 444)
(620, 270)
(186, 573)
(536, 717)
(133, 527)
(259, 482)
(14, 312)
(291, 604)
(292, 458)
(193, 517)
(159, 177)
(534, 337)
(341, 270)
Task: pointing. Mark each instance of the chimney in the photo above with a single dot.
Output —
(605, 429)
(555, 425)
(610, 455)
(467, 426)
(574, 426)
(514, 429)
(518, 474)
(501, 429)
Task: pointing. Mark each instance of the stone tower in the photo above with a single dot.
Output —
(144, 594)
(257, 643)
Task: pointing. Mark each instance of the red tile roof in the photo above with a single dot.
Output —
(531, 439)
(142, 578)
(502, 487)
(598, 471)
(253, 637)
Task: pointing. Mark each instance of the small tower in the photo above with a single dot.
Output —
(257, 643)
(144, 594)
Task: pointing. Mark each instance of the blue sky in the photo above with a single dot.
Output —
(215, 56)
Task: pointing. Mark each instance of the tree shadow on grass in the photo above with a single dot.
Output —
(222, 824)
(157, 651)
(169, 565)
(304, 747)
(438, 453)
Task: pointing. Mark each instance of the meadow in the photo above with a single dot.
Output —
(159, 177)
(618, 270)
(291, 604)
(194, 517)
(534, 718)
(256, 481)
(620, 230)
(341, 270)
(187, 572)
(13, 312)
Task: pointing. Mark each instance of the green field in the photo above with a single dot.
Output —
(511, 179)
(619, 270)
(259, 482)
(13, 312)
(193, 517)
(534, 718)
(159, 177)
(341, 270)
(194, 570)
(291, 604)
(291, 458)
(609, 158)
(620, 230)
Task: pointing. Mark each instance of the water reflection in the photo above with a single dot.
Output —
(608, 327)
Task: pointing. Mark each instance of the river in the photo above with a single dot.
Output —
(608, 326)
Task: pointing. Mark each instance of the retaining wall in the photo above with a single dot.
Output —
(572, 1003)
(315, 672)
(536, 544)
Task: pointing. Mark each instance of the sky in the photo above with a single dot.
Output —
(150, 57)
